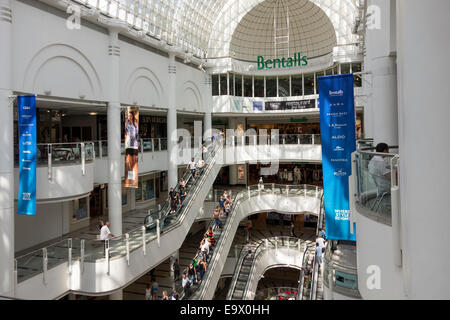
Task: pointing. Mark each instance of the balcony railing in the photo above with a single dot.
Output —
(56, 154)
(376, 174)
(281, 139)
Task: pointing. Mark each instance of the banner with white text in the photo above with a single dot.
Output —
(337, 128)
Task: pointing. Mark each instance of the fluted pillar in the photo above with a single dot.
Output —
(114, 136)
(172, 124)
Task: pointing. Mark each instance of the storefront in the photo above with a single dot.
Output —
(295, 173)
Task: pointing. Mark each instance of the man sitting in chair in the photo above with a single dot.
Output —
(380, 170)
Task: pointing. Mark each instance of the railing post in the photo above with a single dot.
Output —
(266, 242)
(248, 188)
(153, 144)
(127, 246)
(304, 188)
(82, 244)
(15, 277)
(273, 188)
(83, 159)
(287, 190)
(312, 138)
(317, 191)
(107, 255)
(331, 280)
(159, 144)
(69, 245)
(395, 212)
(288, 243)
(100, 149)
(298, 139)
(49, 161)
(276, 243)
(44, 264)
(144, 243)
(299, 245)
(158, 232)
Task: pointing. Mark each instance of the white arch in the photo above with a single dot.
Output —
(70, 57)
(190, 88)
(143, 73)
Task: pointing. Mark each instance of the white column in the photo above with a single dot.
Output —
(233, 173)
(7, 154)
(114, 137)
(423, 91)
(207, 126)
(172, 123)
(381, 111)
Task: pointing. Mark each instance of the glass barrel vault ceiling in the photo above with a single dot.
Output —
(205, 27)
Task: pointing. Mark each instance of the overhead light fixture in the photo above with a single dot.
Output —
(93, 113)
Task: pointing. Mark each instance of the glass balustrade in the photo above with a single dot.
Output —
(374, 170)
(49, 154)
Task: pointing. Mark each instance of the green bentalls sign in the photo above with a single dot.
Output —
(297, 61)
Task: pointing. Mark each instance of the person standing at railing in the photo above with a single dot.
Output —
(322, 234)
(380, 170)
(175, 295)
(293, 229)
(165, 296)
(105, 234)
(148, 292)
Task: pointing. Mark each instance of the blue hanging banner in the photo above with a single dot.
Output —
(26, 200)
(338, 130)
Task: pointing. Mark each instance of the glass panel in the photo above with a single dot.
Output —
(346, 280)
(223, 85)
(271, 86)
(259, 86)
(345, 68)
(231, 84)
(356, 67)
(215, 84)
(238, 85)
(309, 84)
(283, 86)
(248, 87)
(296, 83)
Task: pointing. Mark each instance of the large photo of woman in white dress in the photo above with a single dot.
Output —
(131, 147)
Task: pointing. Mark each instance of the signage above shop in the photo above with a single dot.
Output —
(297, 61)
(290, 105)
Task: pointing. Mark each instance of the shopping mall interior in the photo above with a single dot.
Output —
(180, 150)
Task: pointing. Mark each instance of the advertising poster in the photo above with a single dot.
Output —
(131, 147)
(257, 105)
(236, 105)
(290, 105)
(26, 200)
(337, 128)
